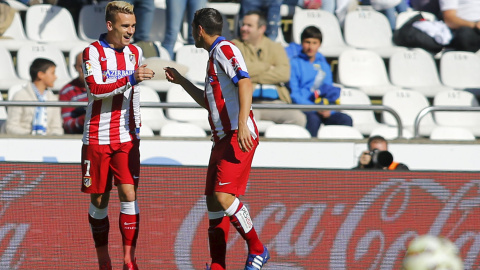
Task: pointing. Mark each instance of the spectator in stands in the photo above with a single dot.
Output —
(144, 12)
(36, 120)
(378, 157)
(35, 2)
(387, 10)
(328, 5)
(175, 13)
(73, 118)
(431, 6)
(271, 9)
(463, 18)
(311, 81)
(269, 70)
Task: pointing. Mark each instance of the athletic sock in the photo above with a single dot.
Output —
(129, 222)
(219, 225)
(241, 220)
(99, 224)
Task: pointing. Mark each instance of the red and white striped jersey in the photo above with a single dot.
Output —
(113, 111)
(225, 68)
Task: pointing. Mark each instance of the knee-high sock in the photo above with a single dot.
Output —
(241, 220)
(99, 224)
(219, 225)
(129, 222)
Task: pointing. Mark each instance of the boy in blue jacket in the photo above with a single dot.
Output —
(311, 81)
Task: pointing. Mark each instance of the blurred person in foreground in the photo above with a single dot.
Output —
(378, 157)
(430, 252)
(111, 141)
(74, 118)
(228, 99)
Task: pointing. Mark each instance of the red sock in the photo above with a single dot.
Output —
(100, 229)
(242, 221)
(129, 226)
(217, 238)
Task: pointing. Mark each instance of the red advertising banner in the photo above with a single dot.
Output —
(309, 219)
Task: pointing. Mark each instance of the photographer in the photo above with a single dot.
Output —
(378, 157)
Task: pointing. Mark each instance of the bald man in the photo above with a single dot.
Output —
(73, 118)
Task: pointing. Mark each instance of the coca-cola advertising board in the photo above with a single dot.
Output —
(309, 219)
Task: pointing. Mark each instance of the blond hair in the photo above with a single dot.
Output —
(115, 7)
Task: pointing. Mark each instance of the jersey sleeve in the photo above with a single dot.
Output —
(231, 61)
(94, 77)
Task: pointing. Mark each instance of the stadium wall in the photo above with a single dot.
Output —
(310, 219)
(417, 154)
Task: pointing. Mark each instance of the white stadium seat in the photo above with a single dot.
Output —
(390, 133)
(370, 29)
(52, 25)
(332, 43)
(407, 104)
(196, 61)
(26, 55)
(415, 69)
(459, 69)
(365, 70)
(339, 132)
(198, 116)
(182, 130)
(287, 131)
(152, 117)
(14, 37)
(469, 120)
(3, 111)
(451, 134)
(364, 121)
(91, 21)
(8, 75)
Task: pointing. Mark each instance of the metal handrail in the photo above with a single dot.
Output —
(195, 105)
(427, 110)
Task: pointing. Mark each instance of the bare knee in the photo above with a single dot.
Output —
(127, 193)
(224, 199)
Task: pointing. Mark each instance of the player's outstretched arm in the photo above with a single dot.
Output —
(196, 93)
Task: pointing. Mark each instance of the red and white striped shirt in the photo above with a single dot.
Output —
(113, 111)
(225, 68)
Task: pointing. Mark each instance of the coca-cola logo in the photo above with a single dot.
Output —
(14, 186)
(370, 233)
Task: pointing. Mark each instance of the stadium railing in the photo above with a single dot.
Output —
(165, 105)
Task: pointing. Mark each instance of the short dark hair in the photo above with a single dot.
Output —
(210, 19)
(311, 32)
(376, 138)
(262, 19)
(40, 64)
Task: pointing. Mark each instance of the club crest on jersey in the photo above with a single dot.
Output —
(88, 70)
(131, 57)
(87, 181)
(235, 64)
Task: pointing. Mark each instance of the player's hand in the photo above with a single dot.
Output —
(244, 138)
(365, 158)
(143, 73)
(172, 75)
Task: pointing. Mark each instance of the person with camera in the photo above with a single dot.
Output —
(378, 157)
